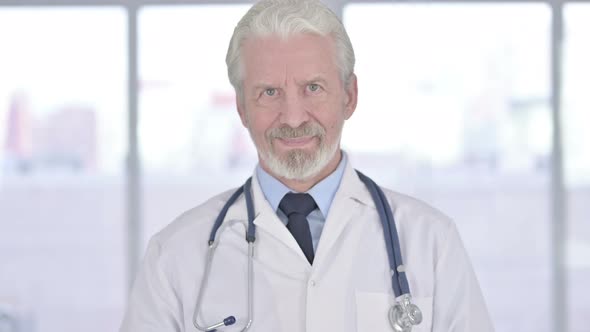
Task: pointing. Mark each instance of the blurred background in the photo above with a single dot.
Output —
(117, 115)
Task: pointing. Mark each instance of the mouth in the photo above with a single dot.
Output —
(298, 142)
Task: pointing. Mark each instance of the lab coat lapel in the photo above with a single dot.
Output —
(266, 219)
(347, 206)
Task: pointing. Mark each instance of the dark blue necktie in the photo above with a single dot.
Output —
(297, 207)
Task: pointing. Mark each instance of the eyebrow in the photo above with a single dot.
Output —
(316, 79)
(254, 91)
(263, 86)
(266, 85)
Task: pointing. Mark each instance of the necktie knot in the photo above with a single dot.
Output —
(297, 203)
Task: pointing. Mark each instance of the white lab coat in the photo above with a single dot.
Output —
(347, 289)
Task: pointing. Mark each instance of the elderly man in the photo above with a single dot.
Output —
(306, 244)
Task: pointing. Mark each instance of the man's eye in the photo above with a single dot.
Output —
(313, 87)
(270, 92)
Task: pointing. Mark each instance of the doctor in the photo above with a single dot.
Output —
(320, 262)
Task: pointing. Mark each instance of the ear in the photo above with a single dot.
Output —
(351, 96)
(241, 109)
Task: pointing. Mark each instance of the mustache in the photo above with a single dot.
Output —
(306, 129)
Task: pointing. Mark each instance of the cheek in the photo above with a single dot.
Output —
(331, 118)
(259, 122)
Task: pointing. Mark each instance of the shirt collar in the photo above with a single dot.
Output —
(323, 192)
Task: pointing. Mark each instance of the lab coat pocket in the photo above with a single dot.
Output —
(372, 311)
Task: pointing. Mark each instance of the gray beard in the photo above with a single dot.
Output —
(300, 165)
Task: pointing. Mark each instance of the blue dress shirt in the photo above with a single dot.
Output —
(323, 193)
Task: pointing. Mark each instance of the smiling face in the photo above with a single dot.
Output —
(294, 104)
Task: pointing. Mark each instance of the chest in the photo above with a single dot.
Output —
(347, 289)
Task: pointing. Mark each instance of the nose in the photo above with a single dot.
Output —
(294, 112)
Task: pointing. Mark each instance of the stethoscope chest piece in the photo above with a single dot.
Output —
(404, 315)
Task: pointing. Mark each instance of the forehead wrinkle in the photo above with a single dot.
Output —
(305, 79)
(286, 78)
(271, 80)
(274, 65)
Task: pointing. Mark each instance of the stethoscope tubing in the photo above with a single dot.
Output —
(399, 281)
(251, 232)
(221, 216)
(397, 253)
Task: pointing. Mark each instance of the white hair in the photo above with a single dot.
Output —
(285, 18)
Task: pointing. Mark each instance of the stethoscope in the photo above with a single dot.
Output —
(403, 315)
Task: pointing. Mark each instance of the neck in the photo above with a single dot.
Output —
(305, 185)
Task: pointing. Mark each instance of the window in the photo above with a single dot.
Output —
(192, 142)
(454, 109)
(62, 143)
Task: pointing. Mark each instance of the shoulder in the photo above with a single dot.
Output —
(192, 226)
(408, 206)
(419, 220)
